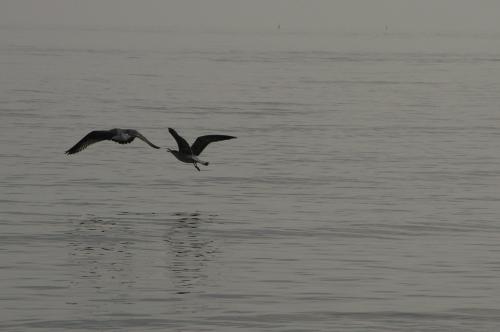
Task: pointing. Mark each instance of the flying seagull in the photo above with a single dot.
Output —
(122, 136)
(189, 154)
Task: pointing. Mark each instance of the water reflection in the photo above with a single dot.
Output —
(101, 252)
(190, 249)
(164, 255)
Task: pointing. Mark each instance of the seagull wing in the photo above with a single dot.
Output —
(181, 142)
(135, 133)
(91, 138)
(202, 142)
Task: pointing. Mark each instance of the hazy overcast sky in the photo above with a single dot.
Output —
(355, 15)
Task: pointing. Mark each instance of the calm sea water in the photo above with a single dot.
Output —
(362, 193)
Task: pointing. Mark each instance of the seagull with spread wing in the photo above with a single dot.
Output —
(121, 136)
(189, 154)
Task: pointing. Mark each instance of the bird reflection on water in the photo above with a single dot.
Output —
(190, 250)
(101, 251)
(115, 253)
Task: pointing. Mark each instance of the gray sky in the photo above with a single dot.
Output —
(345, 15)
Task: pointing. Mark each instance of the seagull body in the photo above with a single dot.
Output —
(189, 154)
(121, 136)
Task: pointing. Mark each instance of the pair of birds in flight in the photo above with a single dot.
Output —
(187, 154)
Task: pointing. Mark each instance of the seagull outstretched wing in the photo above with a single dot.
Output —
(181, 142)
(91, 138)
(201, 142)
(137, 134)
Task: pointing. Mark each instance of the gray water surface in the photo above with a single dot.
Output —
(362, 192)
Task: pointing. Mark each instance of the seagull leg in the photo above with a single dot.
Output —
(196, 166)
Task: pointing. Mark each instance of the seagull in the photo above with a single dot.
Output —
(122, 136)
(189, 154)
